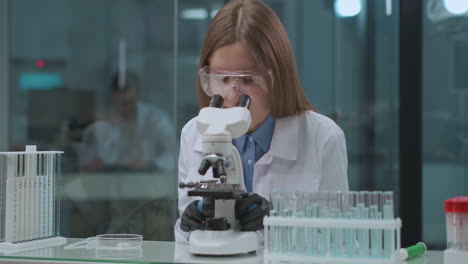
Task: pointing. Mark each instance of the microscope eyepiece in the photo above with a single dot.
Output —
(204, 166)
(216, 101)
(244, 101)
(219, 169)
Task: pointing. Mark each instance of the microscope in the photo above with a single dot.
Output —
(221, 233)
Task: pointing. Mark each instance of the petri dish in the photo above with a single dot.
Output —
(118, 241)
(127, 253)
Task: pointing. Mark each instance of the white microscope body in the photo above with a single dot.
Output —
(221, 235)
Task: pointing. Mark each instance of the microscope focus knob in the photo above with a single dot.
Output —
(217, 224)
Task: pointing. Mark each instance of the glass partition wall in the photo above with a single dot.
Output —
(111, 82)
(347, 55)
(95, 79)
(445, 111)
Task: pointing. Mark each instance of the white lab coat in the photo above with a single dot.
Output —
(307, 153)
(116, 142)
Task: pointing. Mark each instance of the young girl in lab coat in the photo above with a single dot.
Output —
(289, 145)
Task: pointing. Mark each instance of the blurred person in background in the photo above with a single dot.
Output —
(132, 136)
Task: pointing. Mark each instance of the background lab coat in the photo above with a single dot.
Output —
(116, 142)
(307, 153)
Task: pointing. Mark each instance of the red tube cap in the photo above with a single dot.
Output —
(457, 205)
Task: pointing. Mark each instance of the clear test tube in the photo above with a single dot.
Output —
(380, 201)
(27, 190)
(282, 238)
(388, 205)
(272, 242)
(38, 187)
(275, 200)
(341, 209)
(456, 215)
(361, 232)
(389, 235)
(376, 234)
(333, 213)
(365, 247)
(45, 195)
(311, 232)
(17, 193)
(349, 233)
(356, 214)
(335, 203)
(289, 207)
(301, 232)
(290, 230)
(275, 237)
(284, 234)
(301, 202)
(365, 243)
(299, 239)
(52, 191)
(324, 234)
(361, 200)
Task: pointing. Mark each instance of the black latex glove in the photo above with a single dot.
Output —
(250, 210)
(191, 218)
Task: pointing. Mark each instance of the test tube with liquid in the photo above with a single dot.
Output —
(364, 214)
(311, 232)
(283, 235)
(275, 235)
(300, 232)
(285, 240)
(300, 242)
(361, 231)
(324, 233)
(389, 235)
(349, 233)
(336, 233)
(289, 230)
(375, 214)
(356, 214)
(272, 235)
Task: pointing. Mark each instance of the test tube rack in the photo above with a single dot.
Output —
(292, 235)
(29, 200)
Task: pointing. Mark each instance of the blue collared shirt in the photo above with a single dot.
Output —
(253, 146)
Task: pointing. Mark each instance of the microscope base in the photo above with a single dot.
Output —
(227, 242)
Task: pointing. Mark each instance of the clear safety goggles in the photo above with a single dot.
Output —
(223, 82)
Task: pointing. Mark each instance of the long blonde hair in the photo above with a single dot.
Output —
(255, 24)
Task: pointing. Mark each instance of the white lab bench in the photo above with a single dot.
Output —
(155, 252)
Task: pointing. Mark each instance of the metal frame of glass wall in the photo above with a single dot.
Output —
(4, 72)
(410, 129)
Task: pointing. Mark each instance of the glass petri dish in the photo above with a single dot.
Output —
(118, 241)
(121, 253)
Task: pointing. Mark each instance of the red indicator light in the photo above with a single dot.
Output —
(40, 63)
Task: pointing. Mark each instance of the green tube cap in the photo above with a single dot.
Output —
(413, 251)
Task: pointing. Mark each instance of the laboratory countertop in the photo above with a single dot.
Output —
(152, 252)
